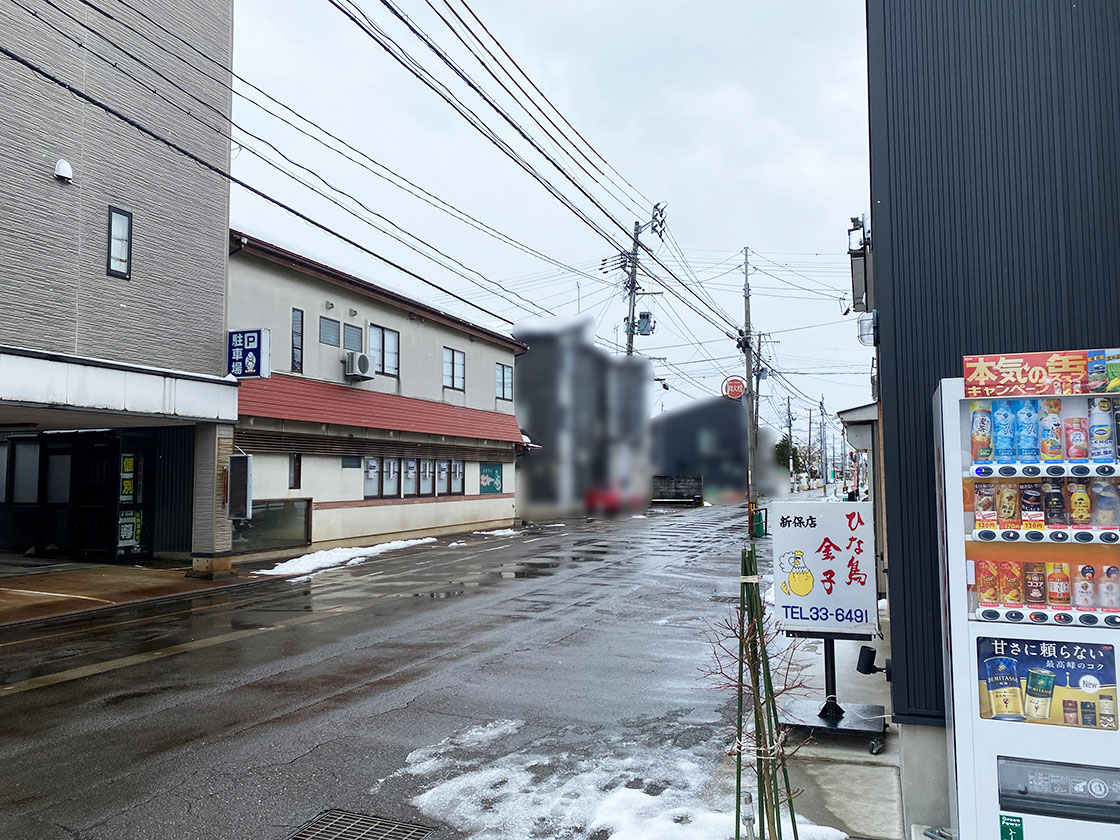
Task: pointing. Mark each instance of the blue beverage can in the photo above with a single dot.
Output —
(1004, 692)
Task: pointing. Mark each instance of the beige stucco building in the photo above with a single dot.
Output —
(383, 417)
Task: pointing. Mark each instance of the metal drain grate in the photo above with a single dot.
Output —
(343, 825)
(724, 599)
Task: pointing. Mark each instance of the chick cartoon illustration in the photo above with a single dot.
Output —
(800, 580)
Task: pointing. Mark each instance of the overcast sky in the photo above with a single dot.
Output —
(748, 119)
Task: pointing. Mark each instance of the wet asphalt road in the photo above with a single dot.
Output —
(244, 715)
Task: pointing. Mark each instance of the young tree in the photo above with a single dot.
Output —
(782, 453)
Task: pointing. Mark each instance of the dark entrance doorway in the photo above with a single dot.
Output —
(101, 495)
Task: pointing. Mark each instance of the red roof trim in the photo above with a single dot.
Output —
(286, 397)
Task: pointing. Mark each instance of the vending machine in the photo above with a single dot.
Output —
(1030, 562)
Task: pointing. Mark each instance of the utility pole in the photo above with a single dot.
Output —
(809, 446)
(748, 397)
(789, 432)
(757, 385)
(632, 288)
(824, 454)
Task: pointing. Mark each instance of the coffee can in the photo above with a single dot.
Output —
(1004, 692)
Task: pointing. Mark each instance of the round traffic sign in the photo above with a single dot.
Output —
(734, 387)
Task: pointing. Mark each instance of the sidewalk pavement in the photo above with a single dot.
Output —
(33, 590)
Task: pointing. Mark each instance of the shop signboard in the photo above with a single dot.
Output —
(824, 568)
(733, 387)
(1026, 374)
(490, 478)
(249, 354)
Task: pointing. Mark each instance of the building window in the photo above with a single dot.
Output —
(390, 477)
(427, 477)
(352, 337)
(443, 478)
(328, 331)
(411, 477)
(503, 381)
(25, 472)
(297, 341)
(454, 369)
(385, 350)
(371, 488)
(295, 470)
(120, 243)
(457, 470)
(351, 462)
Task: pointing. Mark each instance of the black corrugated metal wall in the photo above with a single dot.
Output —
(995, 136)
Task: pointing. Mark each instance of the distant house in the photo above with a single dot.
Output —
(706, 437)
(383, 417)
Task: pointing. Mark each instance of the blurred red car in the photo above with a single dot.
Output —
(611, 500)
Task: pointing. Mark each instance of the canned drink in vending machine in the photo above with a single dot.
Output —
(1108, 588)
(1034, 584)
(1057, 584)
(1085, 586)
(1040, 693)
(1004, 692)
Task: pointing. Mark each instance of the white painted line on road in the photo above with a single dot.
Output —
(54, 594)
(141, 658)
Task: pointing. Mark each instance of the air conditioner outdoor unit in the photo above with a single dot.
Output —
(358, 366)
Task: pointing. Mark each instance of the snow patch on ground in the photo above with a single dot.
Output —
(319, 560)
(644, 789)
(501, 532)
(428, 760)
(637, 516)
(557, 525)
(456, 544)
(707, 504)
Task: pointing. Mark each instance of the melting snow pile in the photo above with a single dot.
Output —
(319, 560)
(501, 532)
(641, 788)
(456, 544)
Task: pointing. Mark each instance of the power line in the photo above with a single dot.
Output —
(264, 158)
(402, 57)
(405, 185)
(108, 109)
(485, 66)
(553, 107)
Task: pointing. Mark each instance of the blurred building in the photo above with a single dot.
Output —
(708, 438)
(587, 410)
